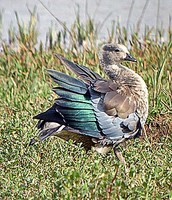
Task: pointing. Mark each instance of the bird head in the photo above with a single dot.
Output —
(114, 53)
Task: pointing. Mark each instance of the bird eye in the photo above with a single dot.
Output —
(117, 50)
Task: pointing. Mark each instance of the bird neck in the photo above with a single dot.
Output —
(123, 75)
(114, 71)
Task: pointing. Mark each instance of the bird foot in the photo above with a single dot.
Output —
(121, 159)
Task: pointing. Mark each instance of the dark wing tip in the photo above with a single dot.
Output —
(51, 72)
(36, 116)
(60, 57)
(32, 142)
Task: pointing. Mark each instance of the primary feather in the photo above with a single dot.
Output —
(95, 111)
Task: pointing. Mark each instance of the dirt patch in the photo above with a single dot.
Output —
(160, 126)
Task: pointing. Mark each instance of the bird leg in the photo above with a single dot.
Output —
(121, 158)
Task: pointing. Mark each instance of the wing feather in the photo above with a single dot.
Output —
(118, 99)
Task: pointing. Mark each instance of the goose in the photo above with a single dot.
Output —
(99, 113)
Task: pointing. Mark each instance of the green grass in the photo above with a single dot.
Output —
(56, 169)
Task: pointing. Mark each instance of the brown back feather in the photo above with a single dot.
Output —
(118, 99)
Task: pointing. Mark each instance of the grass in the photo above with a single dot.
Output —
(56, 169)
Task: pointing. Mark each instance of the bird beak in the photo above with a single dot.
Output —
(130, 58)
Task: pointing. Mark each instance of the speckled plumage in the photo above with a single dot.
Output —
(97, 112)
(125, 77)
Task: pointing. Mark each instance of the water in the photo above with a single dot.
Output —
(65, 10)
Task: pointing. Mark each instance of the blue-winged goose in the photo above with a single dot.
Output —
(97, 112)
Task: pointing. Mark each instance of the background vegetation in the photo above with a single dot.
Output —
(56, 169)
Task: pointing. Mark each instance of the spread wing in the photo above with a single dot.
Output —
(113, 103)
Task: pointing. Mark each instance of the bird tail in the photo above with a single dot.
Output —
(50, 122)
(47, 129)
